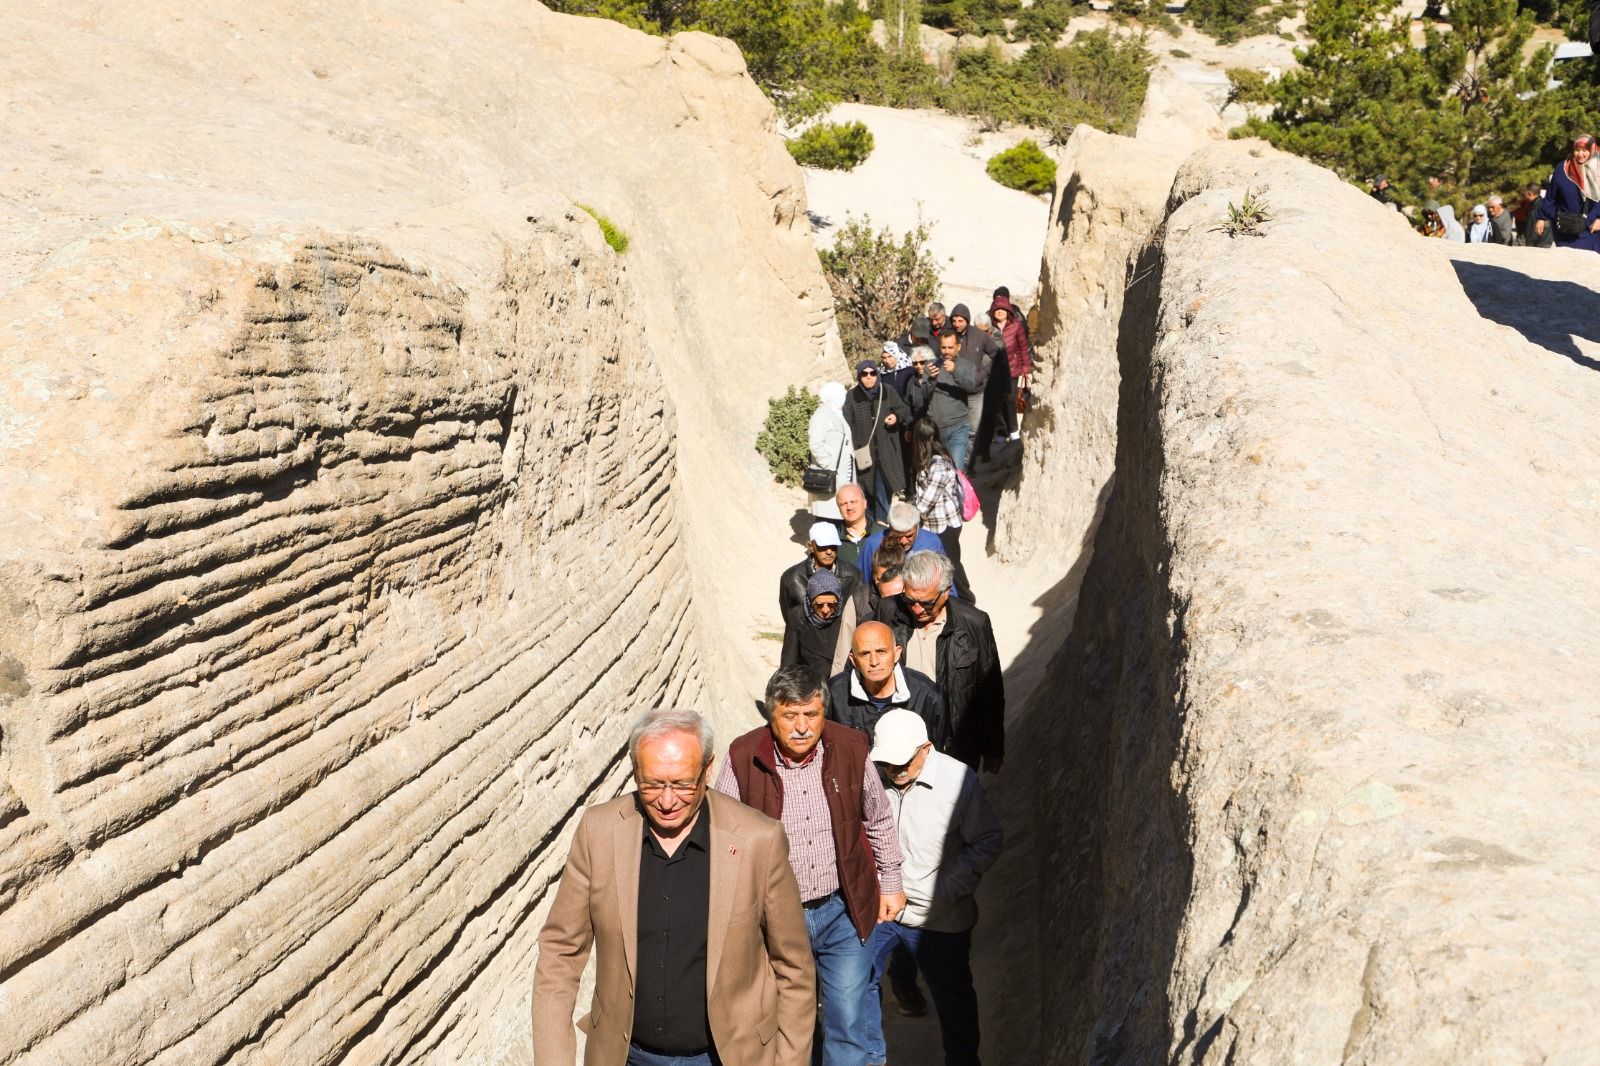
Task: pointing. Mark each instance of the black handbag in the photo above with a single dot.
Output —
(820, 479)
(1569, 224)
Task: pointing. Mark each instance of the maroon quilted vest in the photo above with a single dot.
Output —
(844, 763)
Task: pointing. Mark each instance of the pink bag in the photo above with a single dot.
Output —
(969, 498)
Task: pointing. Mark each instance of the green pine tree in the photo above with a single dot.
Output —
(1468, 108)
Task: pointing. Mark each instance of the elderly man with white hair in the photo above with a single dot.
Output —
(949, 837)
(952, 642)
(1502, 227)
(690, 903)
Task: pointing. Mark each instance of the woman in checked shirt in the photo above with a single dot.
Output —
(937, 494)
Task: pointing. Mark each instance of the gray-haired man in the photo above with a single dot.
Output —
(660, 882)
(952, 642)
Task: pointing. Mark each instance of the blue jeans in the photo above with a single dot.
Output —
(638, 1056)
(956, 440)
(881, 497)
(844, 977)
(945, 962)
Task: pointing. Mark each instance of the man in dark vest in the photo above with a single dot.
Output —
(814, 776)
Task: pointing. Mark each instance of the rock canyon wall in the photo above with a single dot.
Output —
(353, 494)
(1320, 766)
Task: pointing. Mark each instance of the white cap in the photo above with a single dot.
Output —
(824, 535)
(897, 736)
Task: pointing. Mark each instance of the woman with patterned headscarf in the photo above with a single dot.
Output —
(1573, 188)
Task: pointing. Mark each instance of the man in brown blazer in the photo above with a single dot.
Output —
(703, 956)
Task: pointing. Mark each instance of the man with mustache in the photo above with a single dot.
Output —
(814, 776)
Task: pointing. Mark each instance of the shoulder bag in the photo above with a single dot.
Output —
(1569, 224)
(821, 479)
(863, 454)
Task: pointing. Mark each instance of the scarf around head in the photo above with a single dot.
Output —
(1587, 176)
(823, 582)
(1478, 232)
(877, 382)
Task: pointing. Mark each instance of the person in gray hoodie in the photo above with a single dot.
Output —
(942, 388)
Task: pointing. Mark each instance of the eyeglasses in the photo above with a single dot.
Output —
(869, 373)
(682, 789)
(912, 601)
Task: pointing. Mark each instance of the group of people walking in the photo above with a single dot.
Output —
(1563, 213)
(919, 418)
(748, 915)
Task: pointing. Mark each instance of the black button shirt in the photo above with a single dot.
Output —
(669, 1006)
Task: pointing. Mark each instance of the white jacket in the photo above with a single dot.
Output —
(949, 836)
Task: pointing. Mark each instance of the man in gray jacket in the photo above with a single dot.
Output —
(942, 388)
(980, 348)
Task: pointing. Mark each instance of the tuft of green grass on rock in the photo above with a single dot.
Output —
(617, 239)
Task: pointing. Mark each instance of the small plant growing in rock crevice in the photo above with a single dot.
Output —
(617, 239)
(1247, 218)
(785, 440)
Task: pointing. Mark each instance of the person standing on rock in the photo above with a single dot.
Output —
(817, 635)
(1502, 228)
(1016, 359)
(949, 837)
(822, 553)
(814, 776)
(876, 414)
(944, 391)
(828, 438)
(953, 642)
(875, 683)
(1568, 195)
(854, 525)
(1479, 231)
(653, 884)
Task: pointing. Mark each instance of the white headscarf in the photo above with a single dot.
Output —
(1452, 228)
(832, 396)
(1478, 232)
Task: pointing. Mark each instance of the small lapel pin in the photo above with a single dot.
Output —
(732, 850)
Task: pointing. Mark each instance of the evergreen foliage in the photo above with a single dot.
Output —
(973, 17)
(832, 146)
(1044, 22)
(1469, 107)
(1230, 20)
(1024, 167)
(880, 282)
(785, 439)
(808, 54)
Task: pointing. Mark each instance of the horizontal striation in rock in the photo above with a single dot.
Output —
(354, 632)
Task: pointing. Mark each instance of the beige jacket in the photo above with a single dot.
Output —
(760, 981)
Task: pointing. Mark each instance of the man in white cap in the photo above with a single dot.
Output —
(949, 836)
(822, 553)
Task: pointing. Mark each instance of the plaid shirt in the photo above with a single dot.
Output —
(939, 496)
(810, 827)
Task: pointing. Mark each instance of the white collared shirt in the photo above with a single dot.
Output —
(902, 691)
(949, 835)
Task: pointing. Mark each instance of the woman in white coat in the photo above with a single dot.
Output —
(829, 439)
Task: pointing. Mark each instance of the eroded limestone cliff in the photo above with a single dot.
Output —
(345, 517)
(1320, 785)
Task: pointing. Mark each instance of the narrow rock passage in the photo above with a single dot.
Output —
(1031, 606)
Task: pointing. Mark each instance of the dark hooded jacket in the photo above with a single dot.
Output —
(792, 586)
(887, 461)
